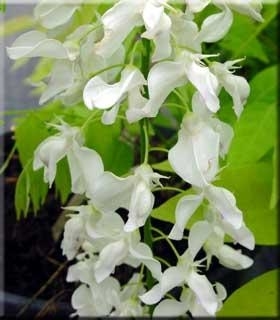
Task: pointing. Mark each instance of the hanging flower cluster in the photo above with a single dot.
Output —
(90, 64)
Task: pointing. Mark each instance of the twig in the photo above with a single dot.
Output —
(42, 289)
(58, 226)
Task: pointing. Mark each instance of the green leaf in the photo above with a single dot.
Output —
(163, 166)
(275, 187)
(251, 185)
(117, 156)
(22, 199)
(242, 40)
(63, 180)
(15, 25)
(29, 133)
(30, 189)
(166, 212)
(256, 130)
(257, 298)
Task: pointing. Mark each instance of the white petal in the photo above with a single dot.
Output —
(224, 201)
(111, 192)
(185, 32)
(61, 79)
(82, 301)
(170, 308)
(195, 156)
(171, 278)
(48, 153)
(204, 292)
(152, 296)
(199, 107)
(184, 210)
(205, 82)
(199, 233)
(239, 89)
(136, 103)
(216, 26)
(225, 132)
(111, 256)
(173, 75)
(52, 15)
(73, 237)
(140, 207)
(101, 95)
(109, 117)
(104, 226)
(158, 25)
(143, 253)
(36, 44)
(197, 5)
(242, 235)
(248, 7)
(85, 166)
(233, 259)
(118, 22)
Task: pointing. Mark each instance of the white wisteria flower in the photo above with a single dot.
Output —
(120, 247)
(37, 44)
(250, 8)
(224, 130)
(133, 193)
(121, 19)
(68, 142)
(54, 14)
(211, 237)
(188, 302)
(236, 86)
(187, 67)
(101, 95)
(75, 236)
(95, 299)
(129, 304)
(195, 158)
(68, 78)
(185, 273)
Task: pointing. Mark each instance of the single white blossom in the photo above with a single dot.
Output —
(188, 302)
(129, 304)
(132, 193)
(68, 143)
(236, 86)
(101, 95)
(37, 44)
(250, 8)
(120, 20)
(54, 14)
(185, 273)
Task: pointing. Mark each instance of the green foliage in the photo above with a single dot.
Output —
(251, 185)
(257, 298)
(117, 155)
(15, 25)
(163, 166)
(30, 131)
(29, 190)
(255, 132)
(242, 40)
(166, 212)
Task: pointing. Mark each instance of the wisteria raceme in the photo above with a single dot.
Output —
(92, 63)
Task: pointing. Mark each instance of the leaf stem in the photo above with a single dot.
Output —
(9, 158)
(168, 189)
(158, 149)
(168, 241)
